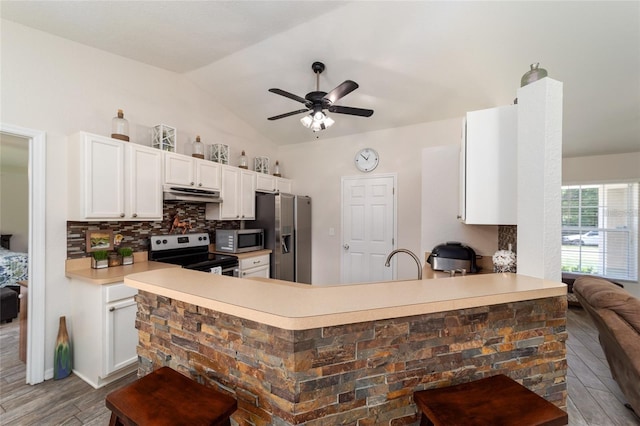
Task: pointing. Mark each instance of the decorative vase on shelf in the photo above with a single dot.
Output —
(120, 127)
(62, 356)
(504, 261)
(534, 74)
(244, 162)
(276, 169)
(198, 148)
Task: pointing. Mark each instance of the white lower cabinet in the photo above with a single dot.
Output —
(119, 342)
(102, 331)
(255, 266)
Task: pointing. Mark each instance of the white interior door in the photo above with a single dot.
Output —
(368, 227)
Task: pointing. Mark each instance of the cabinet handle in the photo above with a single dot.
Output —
(237, 216)
(243, 216)
(121, 214)
(135, 215)
(256, 261)
(192, 183)
(111, 309)
(244, 273)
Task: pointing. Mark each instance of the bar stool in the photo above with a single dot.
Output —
(495, 400)
(166, 397)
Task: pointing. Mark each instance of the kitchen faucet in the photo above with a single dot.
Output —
(388, 262)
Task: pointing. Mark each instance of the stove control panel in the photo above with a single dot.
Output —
(168, 242)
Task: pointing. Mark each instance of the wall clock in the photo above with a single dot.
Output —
(367, 159)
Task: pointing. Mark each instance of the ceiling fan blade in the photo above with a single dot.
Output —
(351, 111)
(288, 95)
(344, 89)
(277, 117)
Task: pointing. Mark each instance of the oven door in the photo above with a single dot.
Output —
(230, 271)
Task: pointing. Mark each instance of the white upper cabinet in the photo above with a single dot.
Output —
(143, 178)
(179, 170)
(488, 163)
(184, 171)
(269, 183)
(110, 179)
(247, 195)
(208, 174)
(284, 185)
(238, 196)
(265, 183)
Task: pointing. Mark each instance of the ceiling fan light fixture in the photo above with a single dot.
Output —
(306, 121)
(328, 121)
(318, 116)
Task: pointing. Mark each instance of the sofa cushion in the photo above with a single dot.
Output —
(602, 294)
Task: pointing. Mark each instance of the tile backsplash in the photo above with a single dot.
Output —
(508, 234)
(136, 234)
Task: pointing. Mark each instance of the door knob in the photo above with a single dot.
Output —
(346, 246)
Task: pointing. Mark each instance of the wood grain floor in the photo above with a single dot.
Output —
(594, 398)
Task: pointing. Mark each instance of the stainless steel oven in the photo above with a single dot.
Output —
(191, 251)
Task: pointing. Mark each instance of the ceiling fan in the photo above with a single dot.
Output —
(318, 101)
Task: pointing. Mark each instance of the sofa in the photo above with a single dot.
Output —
(616, 315)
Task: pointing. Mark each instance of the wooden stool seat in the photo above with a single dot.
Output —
(495, 400)
(166, 397)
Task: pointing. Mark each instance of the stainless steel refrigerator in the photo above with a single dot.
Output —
(286, 220)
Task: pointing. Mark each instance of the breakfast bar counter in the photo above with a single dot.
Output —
(297, 354)
(294, 306)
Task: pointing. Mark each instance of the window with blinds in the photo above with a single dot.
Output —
(600, 229)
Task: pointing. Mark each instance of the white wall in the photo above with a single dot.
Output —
(14, 192)
(601, 168)
(60, 87)
(441, 200)
(317, 168)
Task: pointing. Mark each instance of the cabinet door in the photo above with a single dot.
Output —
(247, 195)
(283, 185)
(144, 179)
(230, 206)
(490, 159)
(265, 183)
(207, 175)
(103, 170)
(121, 335)
(261, 271)
(178, 170)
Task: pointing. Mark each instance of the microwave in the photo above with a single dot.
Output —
(239, 240)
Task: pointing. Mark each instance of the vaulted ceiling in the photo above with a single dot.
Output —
(415, 62)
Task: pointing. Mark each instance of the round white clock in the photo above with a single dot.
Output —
(367, 159)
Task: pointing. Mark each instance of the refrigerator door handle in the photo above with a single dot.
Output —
(285, 247)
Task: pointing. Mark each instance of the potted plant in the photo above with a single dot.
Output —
(100, 259)
(127, 255)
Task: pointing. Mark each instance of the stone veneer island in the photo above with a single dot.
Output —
(295, 354)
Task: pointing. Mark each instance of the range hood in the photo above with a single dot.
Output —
(192, 195)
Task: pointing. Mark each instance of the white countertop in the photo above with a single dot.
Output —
(295, 306)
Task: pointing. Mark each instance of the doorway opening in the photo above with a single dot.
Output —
(36, 248)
